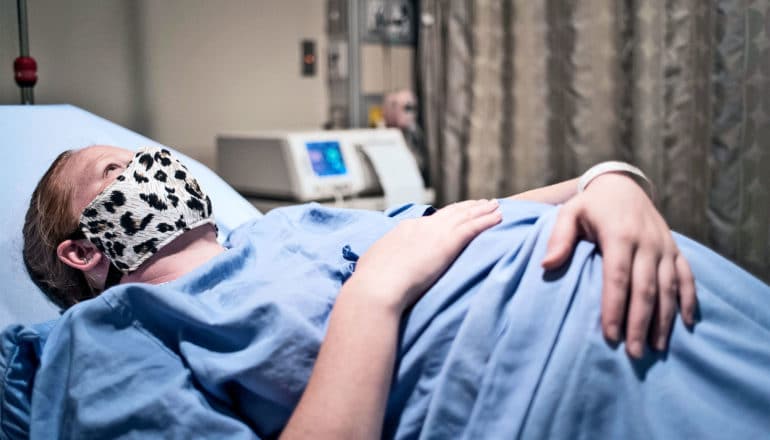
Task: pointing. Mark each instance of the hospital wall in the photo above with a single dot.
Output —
(178, 71)
(83, 52)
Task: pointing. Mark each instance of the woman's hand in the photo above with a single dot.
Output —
(406, 261)
(639, 254)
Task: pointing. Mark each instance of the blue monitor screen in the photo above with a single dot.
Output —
(326, 158)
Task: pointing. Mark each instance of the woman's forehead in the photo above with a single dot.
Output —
(88, 159)
(96, 152)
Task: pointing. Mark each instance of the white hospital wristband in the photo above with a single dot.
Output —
(612, 167)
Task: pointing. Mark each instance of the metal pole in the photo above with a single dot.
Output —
(23, 41)
(354, 65)
(27, 95)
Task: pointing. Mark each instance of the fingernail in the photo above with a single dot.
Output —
(613, 333)
(687, 318)
(636, 348)
(660, 345)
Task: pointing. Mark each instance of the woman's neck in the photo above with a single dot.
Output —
(183, 255)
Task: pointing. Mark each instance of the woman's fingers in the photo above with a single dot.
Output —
(459, 209)
(644, 292)
(483, 207)
(563, 237)
(458, 213)
(655, 282)
(617, 257)
(666, 303)
(481, 217)
(477, 225)
(461, 222)
(688, 302)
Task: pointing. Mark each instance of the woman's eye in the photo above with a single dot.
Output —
(110, 168)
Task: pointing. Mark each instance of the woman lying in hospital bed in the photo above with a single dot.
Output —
(438, 324)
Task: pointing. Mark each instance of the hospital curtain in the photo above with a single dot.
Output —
(519, 93)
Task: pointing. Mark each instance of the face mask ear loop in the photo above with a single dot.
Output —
(113, 277)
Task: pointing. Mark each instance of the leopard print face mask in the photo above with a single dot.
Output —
(153, 201)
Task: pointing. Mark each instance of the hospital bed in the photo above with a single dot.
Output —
(718, 370)
(31, 137)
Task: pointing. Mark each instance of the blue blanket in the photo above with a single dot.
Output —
(496, 349)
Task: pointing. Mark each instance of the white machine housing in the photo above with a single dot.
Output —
(278, 164)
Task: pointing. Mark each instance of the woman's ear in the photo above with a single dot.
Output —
(79, 254)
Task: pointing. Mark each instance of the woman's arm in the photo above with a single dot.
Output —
(554, 194)
(348, 388)
(346, 394)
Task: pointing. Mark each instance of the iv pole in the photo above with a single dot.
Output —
(24, 67)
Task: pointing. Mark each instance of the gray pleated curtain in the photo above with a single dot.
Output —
(522, 93)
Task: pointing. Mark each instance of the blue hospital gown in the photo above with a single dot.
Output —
(495, 349)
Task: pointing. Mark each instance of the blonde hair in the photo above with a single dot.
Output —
(48, 222)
